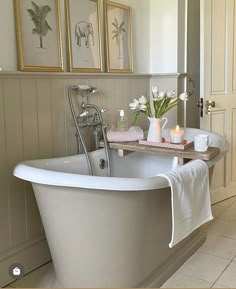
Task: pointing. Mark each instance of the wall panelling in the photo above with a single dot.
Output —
(36, 122)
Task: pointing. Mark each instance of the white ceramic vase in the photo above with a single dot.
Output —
(155, 129)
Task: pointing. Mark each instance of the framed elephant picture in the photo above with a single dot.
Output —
(83, 30)
(38, 32)
(118, 27)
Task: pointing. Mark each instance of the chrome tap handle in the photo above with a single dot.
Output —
(85, 113)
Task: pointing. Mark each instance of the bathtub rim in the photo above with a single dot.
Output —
(27, 172)
(31, 171)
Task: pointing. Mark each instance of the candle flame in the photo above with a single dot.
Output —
(177, 128)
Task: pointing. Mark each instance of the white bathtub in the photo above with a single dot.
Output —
(108, 232)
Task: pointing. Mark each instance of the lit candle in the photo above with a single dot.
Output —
(177, 135)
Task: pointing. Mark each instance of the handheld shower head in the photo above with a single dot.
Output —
(84, 89)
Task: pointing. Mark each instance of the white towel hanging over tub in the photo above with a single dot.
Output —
(190, 199)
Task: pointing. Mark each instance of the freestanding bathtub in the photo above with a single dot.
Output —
(109, 232)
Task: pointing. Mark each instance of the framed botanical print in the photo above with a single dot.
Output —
(118, 27)
(83, 30)
(38, 35)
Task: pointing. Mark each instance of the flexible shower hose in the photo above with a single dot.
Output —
(78, 131)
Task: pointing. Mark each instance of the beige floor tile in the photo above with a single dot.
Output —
(219, 246)
(222, 228)
(203, 266)
(179, 280)
(41, 278)
(227, 203)
(228, 278)
(217, 210)
(234, 205)
(228, 215)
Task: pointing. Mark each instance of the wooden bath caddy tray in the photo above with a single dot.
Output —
(183, 154)
(167, 144)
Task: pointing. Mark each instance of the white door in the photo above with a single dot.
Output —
(218, 84)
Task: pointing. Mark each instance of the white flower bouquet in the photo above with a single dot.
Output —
(162, 103)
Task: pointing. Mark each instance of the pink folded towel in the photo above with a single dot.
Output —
(134, 133)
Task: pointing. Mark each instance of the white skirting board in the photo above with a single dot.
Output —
(31, 255)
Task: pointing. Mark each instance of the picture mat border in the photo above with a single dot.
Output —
(130, 46)
(71, 68)
(19, 38)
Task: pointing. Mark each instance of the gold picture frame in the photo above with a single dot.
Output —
(83, 36)
(39, 42)
(118, 31)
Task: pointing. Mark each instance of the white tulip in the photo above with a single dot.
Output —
(142, 107)
(183, 96)
(134, 105)
(161, 95)
(155, 91)
(142, 100)
(171, 93)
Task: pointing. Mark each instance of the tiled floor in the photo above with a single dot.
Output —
(212, 266)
